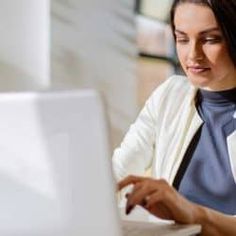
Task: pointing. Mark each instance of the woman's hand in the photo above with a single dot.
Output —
(163, 201)
(159, 198)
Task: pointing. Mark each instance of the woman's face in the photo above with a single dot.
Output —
(201, 48)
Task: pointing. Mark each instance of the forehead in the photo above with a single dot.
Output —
(190, 17)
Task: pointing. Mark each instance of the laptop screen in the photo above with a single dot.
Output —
(55, 168)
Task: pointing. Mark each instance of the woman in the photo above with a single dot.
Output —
(187, 130)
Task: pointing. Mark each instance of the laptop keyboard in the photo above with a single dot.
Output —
(139, 229)
(135, 228)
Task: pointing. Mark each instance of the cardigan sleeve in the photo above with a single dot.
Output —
(136, 152)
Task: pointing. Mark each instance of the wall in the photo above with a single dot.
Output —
(67, 44)
(24, 47)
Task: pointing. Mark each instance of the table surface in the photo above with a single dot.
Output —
(145, 222)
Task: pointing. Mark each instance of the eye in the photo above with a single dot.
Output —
(182, 40)
(212, 39)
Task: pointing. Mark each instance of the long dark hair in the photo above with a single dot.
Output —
(225, 14)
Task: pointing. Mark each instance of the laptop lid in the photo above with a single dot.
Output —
(55, 173)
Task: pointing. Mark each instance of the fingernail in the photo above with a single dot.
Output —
(129, 209)
(144, 202)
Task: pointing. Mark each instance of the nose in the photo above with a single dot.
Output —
(195, 52)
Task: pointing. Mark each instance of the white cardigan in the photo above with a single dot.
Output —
(162, 133)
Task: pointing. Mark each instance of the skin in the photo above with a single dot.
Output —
(203, 54)
(201, 48)
(163, 201)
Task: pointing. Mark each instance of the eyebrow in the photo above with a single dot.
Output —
(201, 33)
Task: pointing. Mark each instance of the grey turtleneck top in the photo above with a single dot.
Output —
(207, 177)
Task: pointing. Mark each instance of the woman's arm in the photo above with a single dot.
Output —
(137, 150)
(215, 223)
(135, 153)
(162, 200)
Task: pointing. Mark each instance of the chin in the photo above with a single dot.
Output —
(199, 81)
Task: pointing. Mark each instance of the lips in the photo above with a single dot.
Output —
(197, 69)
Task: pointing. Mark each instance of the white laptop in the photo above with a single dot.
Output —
(55, 171)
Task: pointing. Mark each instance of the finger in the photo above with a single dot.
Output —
(158, 206)
(164, 194)
(139, 194)
(169, 205)
(153, 198)
(129, 196)
(131, 179)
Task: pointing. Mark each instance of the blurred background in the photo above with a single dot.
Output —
(123, 48)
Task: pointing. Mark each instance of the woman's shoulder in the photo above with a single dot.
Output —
(176, 89)
(175, 83)
(179, 82)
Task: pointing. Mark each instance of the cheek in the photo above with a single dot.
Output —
(220, 61)
(216, 55)
(182, 55)
(179, 52)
